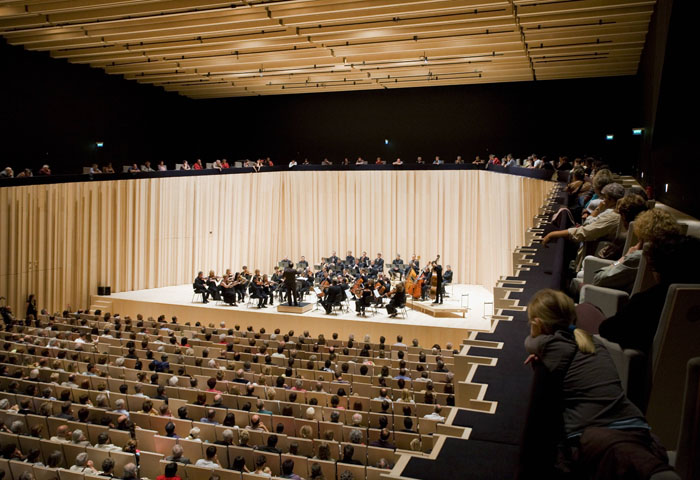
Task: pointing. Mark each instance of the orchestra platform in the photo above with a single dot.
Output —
(179, 301)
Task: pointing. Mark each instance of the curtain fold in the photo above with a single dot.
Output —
(61, 241)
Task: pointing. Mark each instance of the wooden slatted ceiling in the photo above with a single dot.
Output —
(209, 49)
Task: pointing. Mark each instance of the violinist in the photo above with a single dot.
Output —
(257, 290)
(200, 286)
(245, 273)
(213, 286)
(398, 300)
(397, 267)
(277, 280)
(364, 298)
(239, 283)
(269, 289)
(228, 289)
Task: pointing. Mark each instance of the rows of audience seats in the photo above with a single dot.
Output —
(152, 387)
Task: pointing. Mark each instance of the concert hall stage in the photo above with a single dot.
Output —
(177, 300)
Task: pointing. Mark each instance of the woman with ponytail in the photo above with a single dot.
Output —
(596, 412)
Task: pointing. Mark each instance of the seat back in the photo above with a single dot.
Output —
(630, 239)
(675, 343)
(645, 277)
(687, 460)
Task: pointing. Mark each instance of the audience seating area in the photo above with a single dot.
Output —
(236, 363)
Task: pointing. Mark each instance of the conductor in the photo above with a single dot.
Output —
(290, 284)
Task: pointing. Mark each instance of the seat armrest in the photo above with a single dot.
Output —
(591, 265)
(608, 300)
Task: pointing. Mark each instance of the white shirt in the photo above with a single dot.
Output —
(203, 462)
(293, 163)
(435, 416)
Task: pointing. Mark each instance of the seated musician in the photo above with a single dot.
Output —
(334, 295)
(307, 283)
(213, 286)
(397, 267)
(246, 273)
(349, 260)
(377, 265)
(303, 264)
(382, 285)
(333, 259)
(228, 290)
(446, 277)
(398, 300)
(269, 289)
(257, 289)
(200, 286)
(286, 262)
(239, 284)
(413, 264)
(355, 269)
(344, 284)
(364, 260)
(278, 280)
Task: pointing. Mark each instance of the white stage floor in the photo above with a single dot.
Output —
(472, 296)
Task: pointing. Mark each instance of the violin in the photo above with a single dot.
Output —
(357, 288)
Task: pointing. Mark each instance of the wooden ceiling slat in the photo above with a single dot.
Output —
(210, 48)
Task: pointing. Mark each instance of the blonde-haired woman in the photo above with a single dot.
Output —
(406, 396)
(591, 391)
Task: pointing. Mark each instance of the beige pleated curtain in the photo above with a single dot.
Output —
(62, 241)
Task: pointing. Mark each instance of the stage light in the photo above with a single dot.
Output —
(637, 131)
(642, 174)
(666, 188)
(100, 144)
(386, 141)
(609, 137)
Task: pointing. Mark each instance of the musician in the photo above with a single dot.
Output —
(378, 264)
(356, 268)
(228, 289)
(303, 264)
(446, 277)
(200, 286)
(437, 271)
(426, 277)
(364, 260)
(365, 298)
(349, 259)
(344, 283)
(397, 267)
(333, 259)
(334, 295)
(398, 300)
(213, 286)
(290, 285)
(414, 264)
(382, 285)
(277, 279)
(286, 262)
(257, 291)
(246, 273)
(307, 283)
(239, 284)
(269, 288)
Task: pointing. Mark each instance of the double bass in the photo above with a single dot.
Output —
(413, 284)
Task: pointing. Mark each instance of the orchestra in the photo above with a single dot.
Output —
(333, 280)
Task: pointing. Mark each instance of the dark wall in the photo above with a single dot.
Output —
(554, 117)
(56, 111)
(668, 157)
